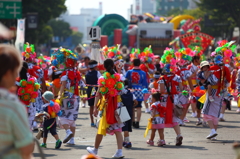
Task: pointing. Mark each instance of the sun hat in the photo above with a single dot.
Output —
(204, 63)
(48, 95)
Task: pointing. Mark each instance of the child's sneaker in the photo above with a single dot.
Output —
(185, 120)
(211, 99)
(58, 144)
(179, 140)
(150, 142)
(92, 150)
(93, 125)
(71, 141)
(127, 145)
(161, 142)
(118, 155)
(68, 137)
(43, 145)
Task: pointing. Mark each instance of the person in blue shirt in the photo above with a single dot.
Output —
(137, 81)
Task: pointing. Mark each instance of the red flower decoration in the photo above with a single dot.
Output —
(110, 83)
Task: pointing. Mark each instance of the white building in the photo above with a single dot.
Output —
(143, 6)
(83, 20)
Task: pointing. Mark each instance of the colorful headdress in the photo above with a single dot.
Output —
(237, 60)
(184, 56)
(168, 61)
(197, 51)
(43, 61)
(29, 51)
(147, 55)
(135, 54)
(64, 58)
(224, 52)
(112, 52)
(110, 84)
(28, 91)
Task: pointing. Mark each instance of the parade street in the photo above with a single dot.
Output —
(194, 143)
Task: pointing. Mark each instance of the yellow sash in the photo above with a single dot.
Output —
(103, 125)
(149, 126)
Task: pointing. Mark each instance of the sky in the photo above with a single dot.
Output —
(109, 6)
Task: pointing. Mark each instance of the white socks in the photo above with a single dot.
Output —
(213, 131)
(126, 139)
(221, 115)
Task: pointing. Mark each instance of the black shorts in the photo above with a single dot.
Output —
(127, 126)
(47, 126)
(199, 105)
(139, 105)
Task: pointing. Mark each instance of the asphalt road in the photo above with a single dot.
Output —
(195, 146)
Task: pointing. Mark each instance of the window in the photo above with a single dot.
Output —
(166, 7)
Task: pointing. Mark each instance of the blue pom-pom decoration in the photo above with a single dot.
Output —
(59, 113)
(51, 103)
(202, 88)
(145, 90)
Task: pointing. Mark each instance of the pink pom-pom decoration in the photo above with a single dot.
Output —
(228, 53)
(56, 107)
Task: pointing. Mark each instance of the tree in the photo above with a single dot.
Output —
(46, 9)
(174, 12)
(60, 28)
(223, 11)
(76, 37)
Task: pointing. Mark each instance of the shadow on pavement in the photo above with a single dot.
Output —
(185, 147)
(223, 141)
(46, 155)
(138, 148)
(83, 147)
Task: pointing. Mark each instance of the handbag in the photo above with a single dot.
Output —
(122, 115)
(178, 109)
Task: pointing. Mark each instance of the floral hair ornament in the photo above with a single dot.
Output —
(147, 55)
(135, 54)
(29, 51)
(224, 52)
(64, 58)
(43, 61)
(184, 56)
(28, 91)
(237, 60)
(110, 84)
(168, 61)
(112, 52)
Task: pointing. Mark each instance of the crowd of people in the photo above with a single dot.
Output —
(52, 88)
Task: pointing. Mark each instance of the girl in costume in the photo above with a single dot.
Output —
(29, 56)
(53, 109)
(157, 120)
(154, 84)
(194, 68)
(147, 59)
(184, 58)
(28, 92)
(109, 87)
(237, 64)
(69, 91)
(218, 79)
(170, 85)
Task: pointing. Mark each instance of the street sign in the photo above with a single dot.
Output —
(10, 9)
(94, 33)
(32, 20)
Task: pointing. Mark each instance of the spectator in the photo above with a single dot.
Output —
(15, 136)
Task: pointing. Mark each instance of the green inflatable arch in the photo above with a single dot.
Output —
(109, 22)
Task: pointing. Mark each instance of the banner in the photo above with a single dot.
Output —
(20, 38)
(193, 39)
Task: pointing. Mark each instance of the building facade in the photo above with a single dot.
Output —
(143, 6)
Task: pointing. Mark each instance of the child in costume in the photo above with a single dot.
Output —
(137, 81)
(157, 120)
(218, 79)
(54, 76)
(91, 79)
(69, 91)
(170, 85)
(29, 56)
(53, 109)
(184, 58)
(147, 59)
(154, 84)
(110, 86)
(128, 100)
(237, 64)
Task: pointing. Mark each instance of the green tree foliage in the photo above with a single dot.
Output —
(60, 28)
(76, 37)
(46, 9)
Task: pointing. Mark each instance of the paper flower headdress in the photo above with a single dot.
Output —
(43, 61)
(168, 61)
(224, 52)
(135, 54)
(29, 51)
(197, 51)
(28, 91)
(110, 84)
(64, 58)
(112, 52)
(184, 56)
(147, 55)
